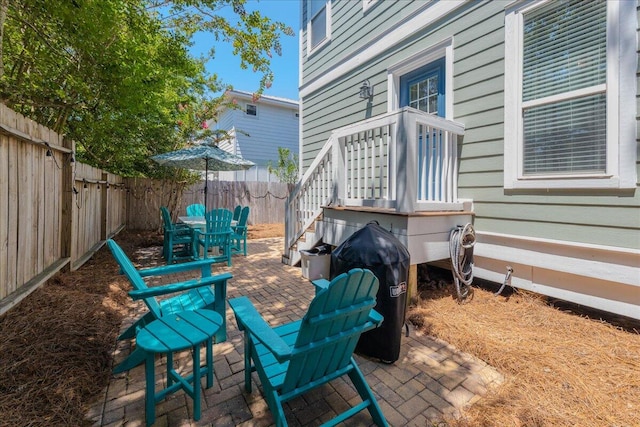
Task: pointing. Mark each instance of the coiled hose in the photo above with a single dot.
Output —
(461, 242)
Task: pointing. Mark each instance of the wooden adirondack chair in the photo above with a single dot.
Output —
(193, 294)
(239, 235)
(297, 357)
(196, 209)
(216, 236)
(177, 238)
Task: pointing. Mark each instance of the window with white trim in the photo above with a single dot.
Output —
(318, 24)
(564, 95)
(251, 110)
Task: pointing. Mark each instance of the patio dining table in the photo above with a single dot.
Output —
(198, 221)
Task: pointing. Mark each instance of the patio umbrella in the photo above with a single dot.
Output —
(205, 158)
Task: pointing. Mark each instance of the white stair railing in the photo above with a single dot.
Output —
(405, 160)
(305, 201)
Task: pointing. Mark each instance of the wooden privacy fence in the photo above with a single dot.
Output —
(145, 196)
(54, 212)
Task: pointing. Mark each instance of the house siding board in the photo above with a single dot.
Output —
(469, 108)
(483, 89)
(606, 236)
(481, 73)
(478, 180)
(481, 117)
(576, 215)
(494, 196)
(225, 120)
(483, 149)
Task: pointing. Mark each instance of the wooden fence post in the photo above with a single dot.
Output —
(104, 206)
(68, 197)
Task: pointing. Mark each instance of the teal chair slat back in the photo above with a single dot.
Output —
(166, 219)
(239, 237)
(132, 274)
(218, 226)
(236, 212)
(330, 330)
(195, 210)
(244, 217)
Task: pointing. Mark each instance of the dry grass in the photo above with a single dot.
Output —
(261, 231)
(561, 369)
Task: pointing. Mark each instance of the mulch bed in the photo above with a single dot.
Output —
(57, 344)
(564, 365)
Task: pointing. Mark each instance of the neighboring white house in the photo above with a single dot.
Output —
(257, 128)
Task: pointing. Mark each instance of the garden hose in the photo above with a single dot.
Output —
(461, 242)
(507, 280)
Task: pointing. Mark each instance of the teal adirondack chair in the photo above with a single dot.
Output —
(192, 295)
(239, 236)
(216, 236)
(297, 357)
(236, 212)
(177, 240)
(196, 209)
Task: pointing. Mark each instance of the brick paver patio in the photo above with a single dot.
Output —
(430, 379)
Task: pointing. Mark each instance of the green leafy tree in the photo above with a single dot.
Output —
(287, 167)
(116, 75)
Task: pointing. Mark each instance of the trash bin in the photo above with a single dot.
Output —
(316, 262)
(378, 250)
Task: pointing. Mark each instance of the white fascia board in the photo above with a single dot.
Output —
(264, 99)
(422, 20)
(610, 305)
(580, 259)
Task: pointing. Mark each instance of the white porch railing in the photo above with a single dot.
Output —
(405, 160)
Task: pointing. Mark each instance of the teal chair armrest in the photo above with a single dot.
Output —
(375, 317)
(180, 286)
(250, 320)
(320, 284)
(203, 264)
(239, 229)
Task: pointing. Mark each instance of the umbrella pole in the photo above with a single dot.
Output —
(206, 182)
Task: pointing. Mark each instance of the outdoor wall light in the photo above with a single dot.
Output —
(366, 90)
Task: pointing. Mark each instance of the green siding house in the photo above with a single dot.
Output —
(519, 117)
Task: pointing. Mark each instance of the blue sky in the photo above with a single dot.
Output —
(285, 67)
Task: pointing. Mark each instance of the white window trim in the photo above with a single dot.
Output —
(420, 59)
(246, 105)
(311, 50)
(368, 4)
(621, 108)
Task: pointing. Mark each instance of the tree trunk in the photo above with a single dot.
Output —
(4, 5)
